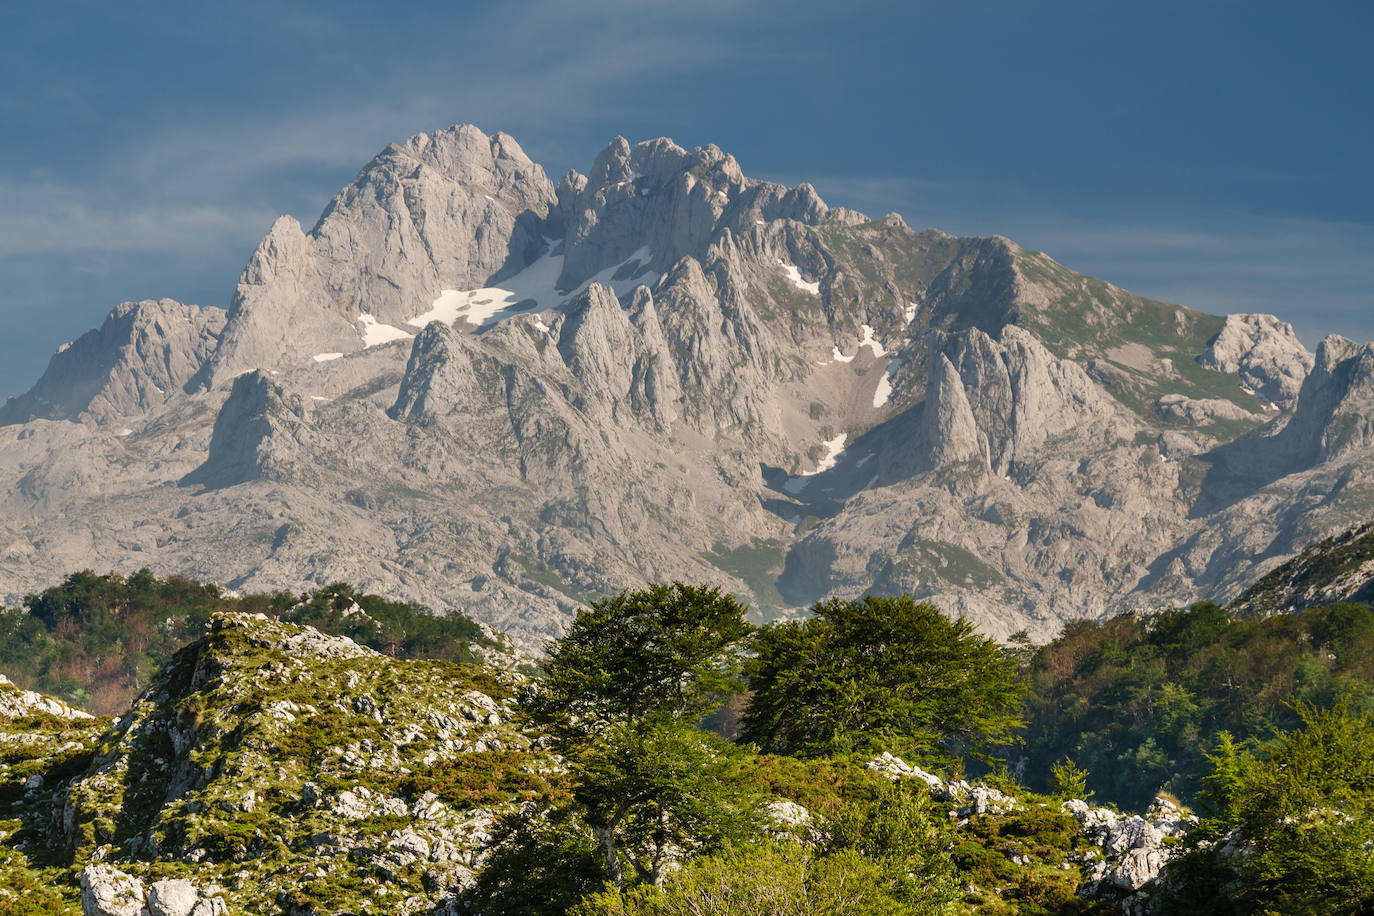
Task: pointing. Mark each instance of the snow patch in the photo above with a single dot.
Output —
(883, 393)
(124, 432)
(375, 333)
(833, 449)
(837, 357)
(326, 357)
(531, 290)
(795, 277)
(909, 313)
(872, 342)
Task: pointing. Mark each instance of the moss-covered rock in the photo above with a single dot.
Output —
(279, 768)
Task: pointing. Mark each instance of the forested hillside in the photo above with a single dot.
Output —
(96, 640)
(882, 758)
(1139, 701)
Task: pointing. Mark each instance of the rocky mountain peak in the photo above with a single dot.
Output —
(449, 210)
(1265, 352)
(657, 196)
(141, 356)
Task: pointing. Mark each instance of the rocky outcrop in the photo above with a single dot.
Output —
(1123, 855)
(1135, 848)
(132, 364)
(1337, 569)
(266, 736)
(1264, 352)
(16, 704)
(262, 430)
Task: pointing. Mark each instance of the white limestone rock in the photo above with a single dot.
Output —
(1264, 352)
(17, 704)
(135, 362)
(107, 891)
(1199, 411)
(172, 897)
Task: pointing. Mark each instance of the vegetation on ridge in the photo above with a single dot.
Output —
(97, 640)
(1138, 701)
(296, 773)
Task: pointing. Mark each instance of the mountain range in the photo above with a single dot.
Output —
(473, 387)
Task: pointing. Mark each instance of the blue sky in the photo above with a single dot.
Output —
(1213, 153)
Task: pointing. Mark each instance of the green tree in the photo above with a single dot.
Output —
(656, 792)
(880, 672)
(1069, 780)
(621, 694)
(665, 651)
(1294, 825)
(540, 863)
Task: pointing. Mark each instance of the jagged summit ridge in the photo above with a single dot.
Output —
(133, 363)
(474, 388)
(447, 210)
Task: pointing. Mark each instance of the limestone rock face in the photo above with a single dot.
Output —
(471, 388)
(948, 433)
(1265, 353)
(1332, 416)
(107, 891)
(132, 364)
(260, 432)
(280, 314)
(439, 376)
(1023, 396)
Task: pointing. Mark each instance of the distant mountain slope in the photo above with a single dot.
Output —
(1339, 568)
(474, 388)
(134, 363)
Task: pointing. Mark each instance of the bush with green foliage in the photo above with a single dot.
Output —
(775, 879)
(1292, 825)
(880, 674)
(95, 641)
(1136, 701)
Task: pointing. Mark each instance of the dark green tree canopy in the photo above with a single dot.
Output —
(1293, 824)
(621, 694)
(880, 672)
(667, 650)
